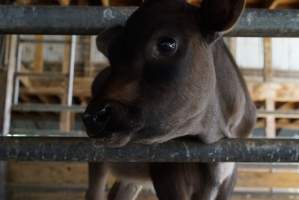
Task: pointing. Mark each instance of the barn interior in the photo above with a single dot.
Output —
(41, 104)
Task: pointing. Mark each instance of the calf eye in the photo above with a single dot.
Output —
(167, 45)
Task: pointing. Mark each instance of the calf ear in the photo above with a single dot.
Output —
(107, 38)
(221, 15)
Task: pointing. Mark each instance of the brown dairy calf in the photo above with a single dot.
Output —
(170, 76)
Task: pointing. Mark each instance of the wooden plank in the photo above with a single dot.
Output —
(25, 2)
(46, 196)
(283, 92)
(88, 68)
(49, 173)
(64, 2)
(105, 2)
(232, 44)
(64, 176)
(268, 70)
(38, 63)
(268, 179)
(270, 120)
(283, 3)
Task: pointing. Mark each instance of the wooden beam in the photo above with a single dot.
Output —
(38, 63)
(270, 120)
(25, 98)
(64, 2)
(268, 70)
(105, 2)
(268, 74)
(279, 3)
(232, 44)
(268, 3)
(25, 2)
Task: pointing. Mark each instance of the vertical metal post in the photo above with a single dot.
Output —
(18, 68)
(9, 85)
(3, 180)
(71, 71)
(3, 86)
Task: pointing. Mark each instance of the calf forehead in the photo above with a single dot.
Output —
(167, 15)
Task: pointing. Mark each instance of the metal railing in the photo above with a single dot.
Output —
(90, 20)
(87, 150)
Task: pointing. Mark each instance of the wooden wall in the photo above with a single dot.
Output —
(68, 181)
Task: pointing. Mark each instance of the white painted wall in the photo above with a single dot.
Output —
(249, 52)
(55, 52)
(285, 53)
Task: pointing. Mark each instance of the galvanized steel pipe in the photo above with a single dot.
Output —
(92, 20)
(91, 150)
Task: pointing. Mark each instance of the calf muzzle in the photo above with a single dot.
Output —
(104, 119)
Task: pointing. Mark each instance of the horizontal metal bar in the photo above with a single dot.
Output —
(91, 150)
(60, 20)
(25, 132)
(92, 20)
(267, 23)
(47, 108)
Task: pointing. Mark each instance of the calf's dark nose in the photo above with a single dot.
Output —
(99, 118)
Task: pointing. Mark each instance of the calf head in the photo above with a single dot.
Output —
(162, 76)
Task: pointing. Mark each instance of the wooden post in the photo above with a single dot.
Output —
(105, 2)
(65, 117)
(38, 63)
(88, 68)
(268, 70)
(270, 120)
(232, 44)
(268, 75)
(64, 2)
